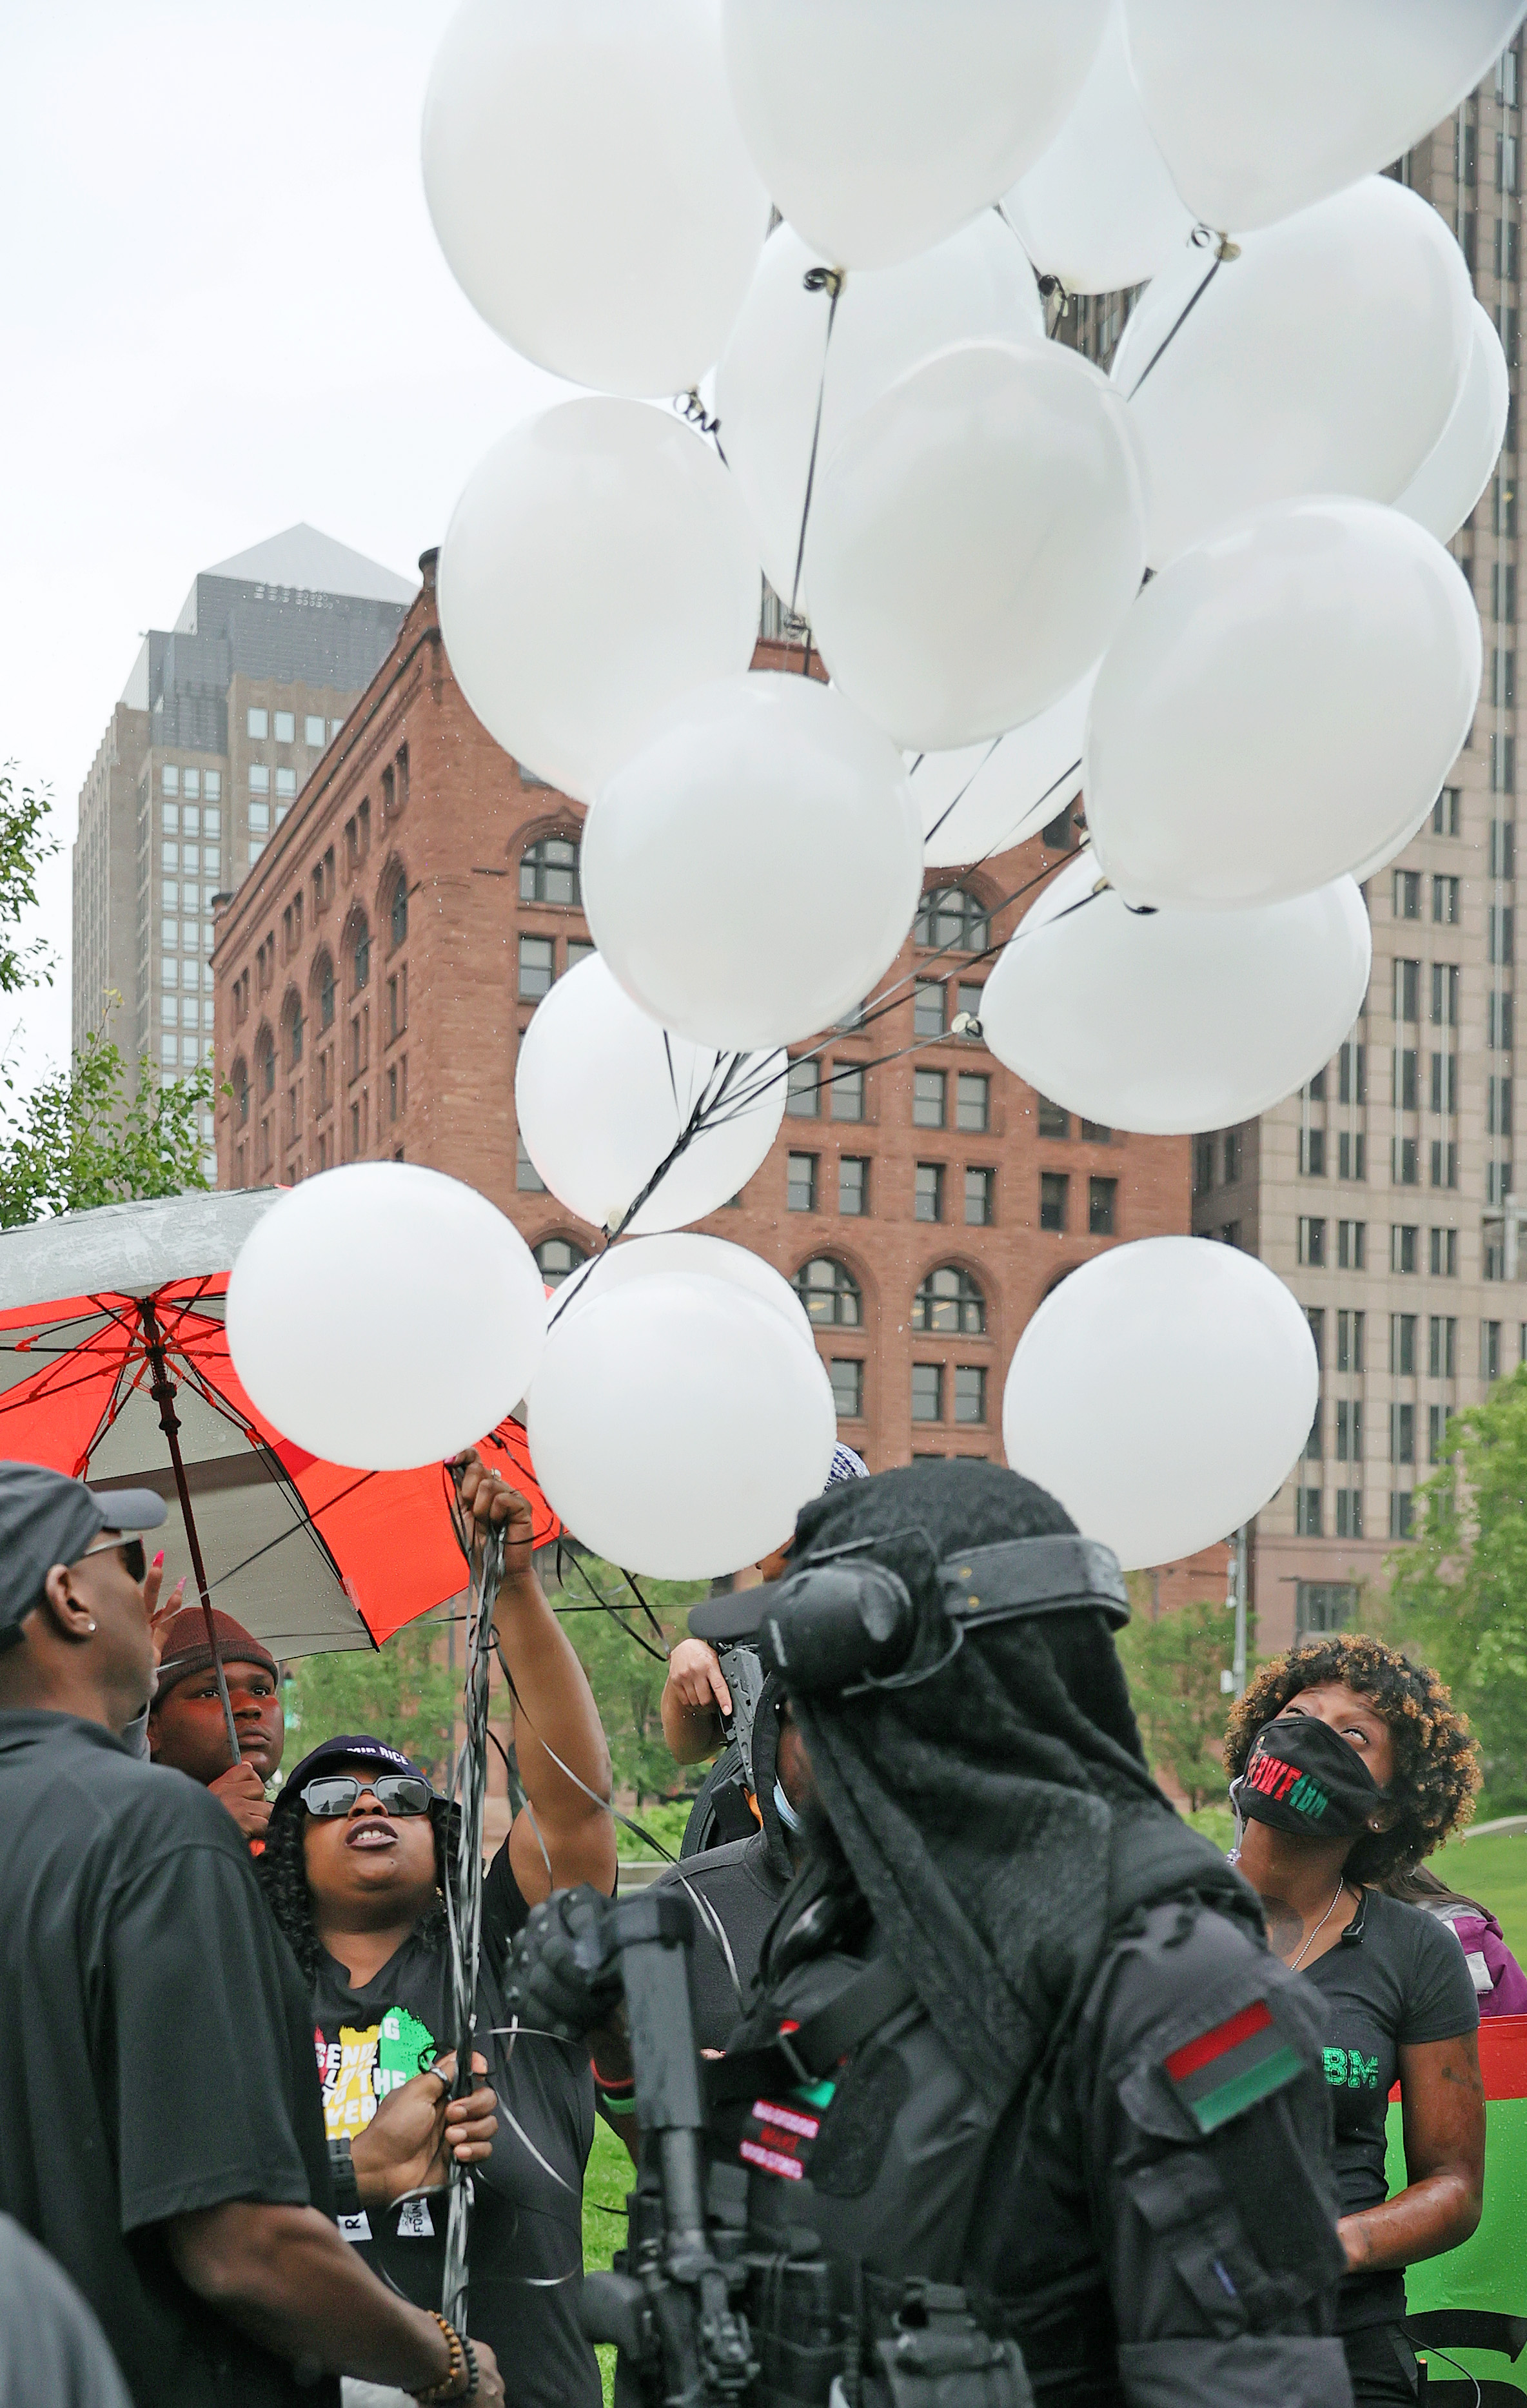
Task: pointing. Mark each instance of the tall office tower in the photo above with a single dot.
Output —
(221, 719)
(1384, 1193)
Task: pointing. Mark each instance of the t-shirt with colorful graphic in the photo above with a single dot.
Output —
(1395, 1978)
(526, 2263)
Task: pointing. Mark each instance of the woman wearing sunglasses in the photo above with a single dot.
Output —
(355, 1869)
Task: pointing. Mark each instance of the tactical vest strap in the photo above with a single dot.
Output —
(815, 2046)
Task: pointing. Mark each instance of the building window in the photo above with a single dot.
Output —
(846, 1372)
(528, 1178)
(1053, 1186)
(1352, 1074)
(928, 996)
(1401, 1433)
(948, 916)
(577, 951)
(257, 724)
(980, 1198)
(803, 1090)
(1408, 894)
(538, 968)
(1442, 1346)
(1503, 749)
(1399, 1512)
(1348, 1512)
(970, 993)
(286, 784)
(312, 731)
(1407, 990)
(1445, 1082)
(259, 779)
(549, 872)
(1308, 1513)
(927, 1391)
(1402, 1244)
(1444, 1253)
(949, 1303)
(241, 1089)
(1498, 1106)
(928, 1089)
(1349, 1341)
(1444, 901)
(326, 993)
(1406, 1087)
(287, 727)
(1444, 1164)
(1053, 1121)
(294, 1035)
(1436, 1433)
(846, 1088)
(928, 1192)
(170, 779)
(854, 1184)
(1448, 810)
(800, 1195)
(1348, 1430)
(400, 910)
(259, 819)
(1203, 1165)
(1102, 1197)
(972, 1101)
(1489, 1350)
(557, 1259)
(1351, 1244)
(970, 1392)
(829, 1293)
(361, 957)
(1404, 1161)
(213, 789)
(1403, 1344)
(1323, 1605)
(1312, 1243)
(1312, 1152)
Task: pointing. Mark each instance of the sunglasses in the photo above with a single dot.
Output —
(395, 1793)
(134, 1560)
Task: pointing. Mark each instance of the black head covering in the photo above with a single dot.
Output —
(980, 1811)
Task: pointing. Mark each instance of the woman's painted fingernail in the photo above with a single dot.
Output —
(159, 1560)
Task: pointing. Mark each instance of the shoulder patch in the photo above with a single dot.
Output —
(1224, 2071)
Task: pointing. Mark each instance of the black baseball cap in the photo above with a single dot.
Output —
(331, 1754)
(46, 1519)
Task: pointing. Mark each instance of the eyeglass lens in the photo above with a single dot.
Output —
(397, 1793)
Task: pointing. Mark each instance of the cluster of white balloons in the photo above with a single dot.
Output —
(1305, 405)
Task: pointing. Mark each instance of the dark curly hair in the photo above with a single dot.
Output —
(282, 1873)
(1436, 1763)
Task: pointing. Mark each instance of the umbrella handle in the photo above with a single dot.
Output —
(162, 1389)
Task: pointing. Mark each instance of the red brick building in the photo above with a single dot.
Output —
(377, 967)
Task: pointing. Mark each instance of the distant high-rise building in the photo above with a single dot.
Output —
(222, 718)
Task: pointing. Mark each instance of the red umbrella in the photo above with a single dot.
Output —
(132, 1387)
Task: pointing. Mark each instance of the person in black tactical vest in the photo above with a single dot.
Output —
(1020, 2067)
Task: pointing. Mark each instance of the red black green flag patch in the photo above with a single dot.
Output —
(1223, 2072)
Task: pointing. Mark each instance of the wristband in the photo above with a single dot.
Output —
(618, 2084)
(347, 2194)
(459, 2381)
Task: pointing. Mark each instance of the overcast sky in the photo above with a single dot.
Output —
(221, 310)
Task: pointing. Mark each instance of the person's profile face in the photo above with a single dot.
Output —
(108, 1582)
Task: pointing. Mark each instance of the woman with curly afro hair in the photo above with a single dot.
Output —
(1348, 1765)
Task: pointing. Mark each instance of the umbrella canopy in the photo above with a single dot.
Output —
(308, 1555)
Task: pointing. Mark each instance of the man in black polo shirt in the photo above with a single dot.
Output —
(160, 2126)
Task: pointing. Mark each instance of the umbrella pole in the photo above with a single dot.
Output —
(163, 1393)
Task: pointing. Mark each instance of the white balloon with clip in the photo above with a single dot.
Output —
(754, 868)
(1452, 477)
(602, 1096)
(1327, 359)
(678, 1424)
(383, 1315)
(1170, 1022)
(1282, 702)
(975, 286)
(1100, 209)
(1261, 109)
(1162, 1392)
(683, 1251)
(590, 186)
(596, 566)
(880, 126)
(974, 541)
(984, 798)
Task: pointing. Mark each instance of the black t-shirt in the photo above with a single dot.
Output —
(1396, 1977)
(524, 2266)
(154, 2039)
(743, 1884)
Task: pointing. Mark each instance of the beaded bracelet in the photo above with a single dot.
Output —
(463, 2362)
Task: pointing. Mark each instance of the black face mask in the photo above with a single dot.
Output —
(1302, 1776)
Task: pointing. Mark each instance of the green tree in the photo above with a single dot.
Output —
(399, 1694)
(627, 1682)
(1458, 1592)
(1172, 1664)
(101, 1132)
(25, 844)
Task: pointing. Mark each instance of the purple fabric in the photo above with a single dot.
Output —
(1480, 1935)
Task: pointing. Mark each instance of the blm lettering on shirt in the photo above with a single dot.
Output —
(1348, 2069)
(361, 2067)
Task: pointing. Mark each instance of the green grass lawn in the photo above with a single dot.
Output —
(609, 2178)
(1493, 1870)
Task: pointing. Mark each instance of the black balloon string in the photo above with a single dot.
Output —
(830, 281)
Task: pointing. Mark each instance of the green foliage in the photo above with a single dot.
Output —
(1173, 1666)
(24, 846)
(627, 1682)
(664, 1818)
(1458, 1592)
(102, 1132)
(398, 1694)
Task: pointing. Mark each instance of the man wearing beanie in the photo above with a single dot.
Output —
(186, 1729)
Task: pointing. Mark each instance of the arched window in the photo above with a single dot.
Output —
(949, 1303)
(829, 1293)
(326, 993)
(361, 958)
(400, 909)
(947, 915)
(264, 1062)
(557, 1259)
(241, 1090)
(295, 1031)
(549, 871)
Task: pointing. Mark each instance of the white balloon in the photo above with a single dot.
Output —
(976, 285)
(1100, 209)
(750, 873)
(601, 1096)
(597, 566)
(1327, 359)
(590, 187)
(1280, 702)
(1443, 491)
(712, 1257)
(985, 797)
(882, 125)
(1164, 1392)
(678, 1424)
(973, 542)
(383, 1315)
(1174, 1021)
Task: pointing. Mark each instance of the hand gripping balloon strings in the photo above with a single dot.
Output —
(464, 1900)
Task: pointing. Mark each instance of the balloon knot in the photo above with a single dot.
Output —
(825, 279)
